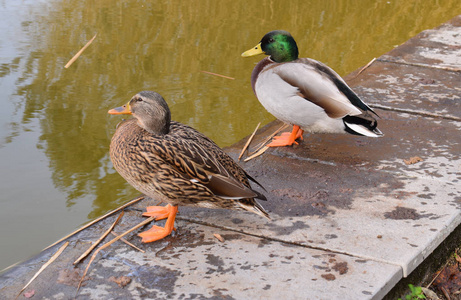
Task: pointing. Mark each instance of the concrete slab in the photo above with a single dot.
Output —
(413, 89)
(357, 195)
(336, 195)
(195, 265)
(412, 81)
(434, 48)
(350, 217)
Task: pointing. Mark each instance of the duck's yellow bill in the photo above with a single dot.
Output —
(253, 51)
(122, 110)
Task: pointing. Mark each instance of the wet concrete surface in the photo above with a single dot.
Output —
(350, 217)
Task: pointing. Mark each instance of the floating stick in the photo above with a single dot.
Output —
(71, 61)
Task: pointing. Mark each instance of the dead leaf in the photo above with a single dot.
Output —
(430, 295)
(29, 294)
(122, 281)
(69, 277)
(449, 280)
(427, 81)
(341, 268)
(328, 276)
(413, 160)
(219, 237)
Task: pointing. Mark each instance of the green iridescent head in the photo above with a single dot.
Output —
(279, 44)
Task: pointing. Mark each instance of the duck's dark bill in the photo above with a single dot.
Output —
(122, 110)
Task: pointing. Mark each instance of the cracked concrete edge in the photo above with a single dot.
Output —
(173, 267)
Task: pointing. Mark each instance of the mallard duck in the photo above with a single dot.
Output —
(176, 164)
(306, 93)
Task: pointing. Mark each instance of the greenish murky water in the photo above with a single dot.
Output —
(55, 171)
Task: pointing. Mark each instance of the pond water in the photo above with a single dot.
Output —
(55, 171)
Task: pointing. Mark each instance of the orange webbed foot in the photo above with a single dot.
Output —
(154, 234)
(158, 212)
(157, 232)
(287, 138)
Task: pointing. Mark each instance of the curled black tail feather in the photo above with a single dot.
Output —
(368, 124)
(254, 180)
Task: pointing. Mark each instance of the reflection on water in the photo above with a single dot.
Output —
(54, 130)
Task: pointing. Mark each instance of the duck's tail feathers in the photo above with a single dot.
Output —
(254, 180)
(260, 196)
(254, 207)
(362, 126)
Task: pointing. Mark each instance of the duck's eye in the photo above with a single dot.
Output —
(271, 40)
(138, 99)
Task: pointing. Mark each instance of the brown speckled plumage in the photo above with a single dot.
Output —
(175, 163)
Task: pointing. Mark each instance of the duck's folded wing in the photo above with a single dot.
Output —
(319, 84)
(199, 164)
(229, 188)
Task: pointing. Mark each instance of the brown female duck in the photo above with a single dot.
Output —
(175, 163)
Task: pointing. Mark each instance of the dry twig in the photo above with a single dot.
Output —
(445, 293)
(263, 149)
(128, 243)
(99, 240)
(52, 259)
(249, 141)
(435, 277)
(366, 66)
(71, 61)
(269, 138)
(146, 221)
(96, 221)
(219, 75)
